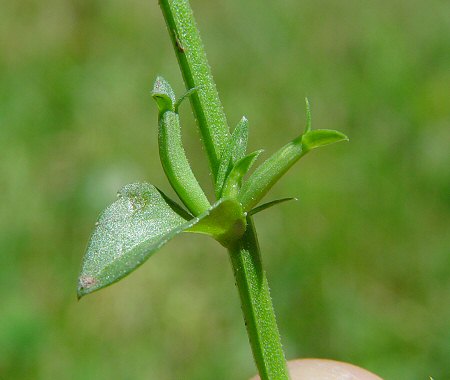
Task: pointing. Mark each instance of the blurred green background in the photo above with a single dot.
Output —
(359, 267)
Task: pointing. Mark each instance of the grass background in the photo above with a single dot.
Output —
(359, 267)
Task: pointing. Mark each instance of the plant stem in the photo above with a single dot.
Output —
(245, 255)
(257, 306)
(196, 72)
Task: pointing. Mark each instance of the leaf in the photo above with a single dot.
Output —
(269, 204)
(163, 95)
(234, 151)
(271, 170)
(140, 222)
(240, 169)
(321, 137)
(176, 165)
(187, 94)
(239, 140)
(225, 222)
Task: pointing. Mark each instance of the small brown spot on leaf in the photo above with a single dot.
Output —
(87, 281)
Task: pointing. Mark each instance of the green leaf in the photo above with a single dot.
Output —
(268, 173)
(269, 204)
(187, 94)
(140, 222)
(176, 164)
(225, 222)
(271, 170)
(321, 137)
(234, 151)
(137, 224)
(239, 140)
(240, 169)
(163, 95)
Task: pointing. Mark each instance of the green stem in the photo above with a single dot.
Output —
(196, 72)
(245, 255)
(257, 307)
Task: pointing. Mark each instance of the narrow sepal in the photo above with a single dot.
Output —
(240, 169)
(187, 94)
(233, 152)
(269, 204)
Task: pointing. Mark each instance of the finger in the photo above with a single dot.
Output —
(323, 369)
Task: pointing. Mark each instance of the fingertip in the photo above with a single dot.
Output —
(324, 369)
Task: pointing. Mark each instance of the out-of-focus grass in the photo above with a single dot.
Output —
(359, 266)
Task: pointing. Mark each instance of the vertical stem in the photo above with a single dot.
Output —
(245, 256)
(257, 306)
(196, 72)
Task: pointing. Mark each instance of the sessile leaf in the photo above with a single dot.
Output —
(140, 222)
(271, 170)
(233, 182)
(233, 152)
(126, 234)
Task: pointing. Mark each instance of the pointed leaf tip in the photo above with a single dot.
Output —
(136, 225)
(321, 137)
(163, 94)
(84, 284)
